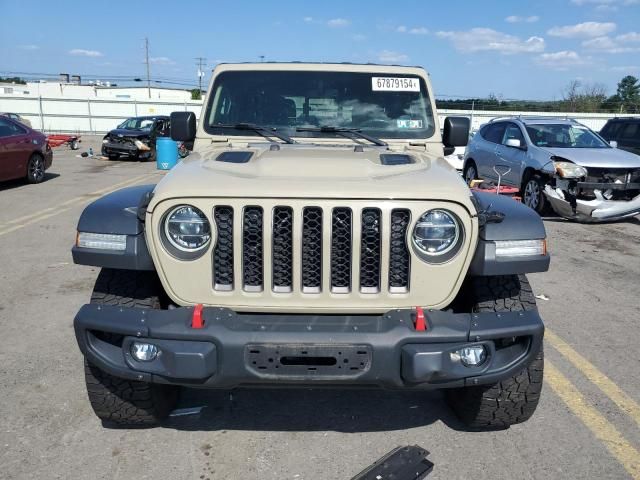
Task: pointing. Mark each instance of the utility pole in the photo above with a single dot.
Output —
(146, 61)
(201, 64)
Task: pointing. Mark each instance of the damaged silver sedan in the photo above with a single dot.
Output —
(558, 163)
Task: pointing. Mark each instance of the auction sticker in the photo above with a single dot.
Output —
(395, 84)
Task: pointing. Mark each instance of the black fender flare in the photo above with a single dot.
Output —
(119, 213)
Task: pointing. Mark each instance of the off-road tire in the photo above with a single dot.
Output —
(116, 400)
(511, 401)
(536, 181)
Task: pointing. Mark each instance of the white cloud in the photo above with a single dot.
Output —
(401, 29)
(358, 37)
(519, 19)
(561, 60)
(29, 47)
(609, 45)
(626, 68)
(583, 30)
(308, 19)
(85, 53)
(389, 56)
(631, 37)
(338, 23)
(161, 61)
(418, 31)
(487, 39)
(606, 3)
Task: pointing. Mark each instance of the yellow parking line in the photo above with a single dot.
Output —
(64, 206)
(604, 431)
(627, 404)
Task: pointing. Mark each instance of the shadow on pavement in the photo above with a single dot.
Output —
(21, 182)
(282, 409)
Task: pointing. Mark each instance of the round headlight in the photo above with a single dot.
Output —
(187, 228)
(437, 233)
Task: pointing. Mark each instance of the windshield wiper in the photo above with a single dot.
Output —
(266, 132)
(345, 132)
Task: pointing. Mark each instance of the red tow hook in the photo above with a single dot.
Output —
(421, 322)
(197, 321)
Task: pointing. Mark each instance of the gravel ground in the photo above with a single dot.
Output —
(47, 429)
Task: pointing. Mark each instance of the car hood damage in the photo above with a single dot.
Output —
(124, 133)
(311, 171)
(597, 157)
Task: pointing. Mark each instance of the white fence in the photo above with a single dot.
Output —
(87, 115)
(101, 115)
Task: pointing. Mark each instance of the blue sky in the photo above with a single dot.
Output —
(471, 48)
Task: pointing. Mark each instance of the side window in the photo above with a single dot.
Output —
(495, 132)
(611, 129)
(512, 131)
(9, 129)
(631, 131)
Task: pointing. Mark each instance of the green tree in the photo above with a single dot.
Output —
(196, 94)
(629, 94)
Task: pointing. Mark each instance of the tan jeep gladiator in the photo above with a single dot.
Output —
(315, 237)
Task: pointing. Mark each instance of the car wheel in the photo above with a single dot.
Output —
(470, 172)
(74, 145)
(533, 193)
(515, 399)
(35, 169)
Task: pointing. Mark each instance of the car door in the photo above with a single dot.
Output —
(511, 159)
(15, 149)
(487, 159)
(629, 137)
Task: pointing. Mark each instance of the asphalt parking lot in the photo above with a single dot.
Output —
(587, 425)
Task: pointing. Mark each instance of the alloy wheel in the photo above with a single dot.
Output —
(532, 194)
(36, 169)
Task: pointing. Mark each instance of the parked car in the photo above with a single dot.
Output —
(560, 163)
(15, 116)
(135, 138)
(24, 152)
(625, 132)
(456, 159)
(307, 241)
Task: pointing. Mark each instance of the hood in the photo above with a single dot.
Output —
(117, 132)
(598, 157)
(297, 171)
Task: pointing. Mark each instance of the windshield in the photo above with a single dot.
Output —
(564, 136)
(380, 105)
(137, 124)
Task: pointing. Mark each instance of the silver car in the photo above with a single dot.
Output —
(558, 163)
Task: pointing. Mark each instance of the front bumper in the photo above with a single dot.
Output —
(597, 210)
(124, 149)
(233, 349)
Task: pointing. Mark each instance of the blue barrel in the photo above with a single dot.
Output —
(166, 153)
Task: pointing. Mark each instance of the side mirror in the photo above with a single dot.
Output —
(514, 142)
(613, 143)
(183, 126)
(456, 131)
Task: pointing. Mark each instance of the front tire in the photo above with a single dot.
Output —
(35, 168)
(532, 193)
(116, 400)
(470, 172)
(514, 400)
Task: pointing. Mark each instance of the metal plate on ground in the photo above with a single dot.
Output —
(402, 463)
(308, 361)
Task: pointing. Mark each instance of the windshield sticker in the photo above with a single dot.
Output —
(395, 84)
(409, 123)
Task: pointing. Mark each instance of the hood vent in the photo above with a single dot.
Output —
(396, 159)
(234, 157)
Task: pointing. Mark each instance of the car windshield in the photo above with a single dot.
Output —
(564, 136)
(380, 105)
(137, 124)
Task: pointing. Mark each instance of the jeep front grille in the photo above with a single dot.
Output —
(273, 239)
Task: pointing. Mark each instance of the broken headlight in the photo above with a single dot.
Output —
(141, 145)
(569, 170)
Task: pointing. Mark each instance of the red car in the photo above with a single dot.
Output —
(24, 152)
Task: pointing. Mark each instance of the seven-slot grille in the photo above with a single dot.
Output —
(356, 242)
